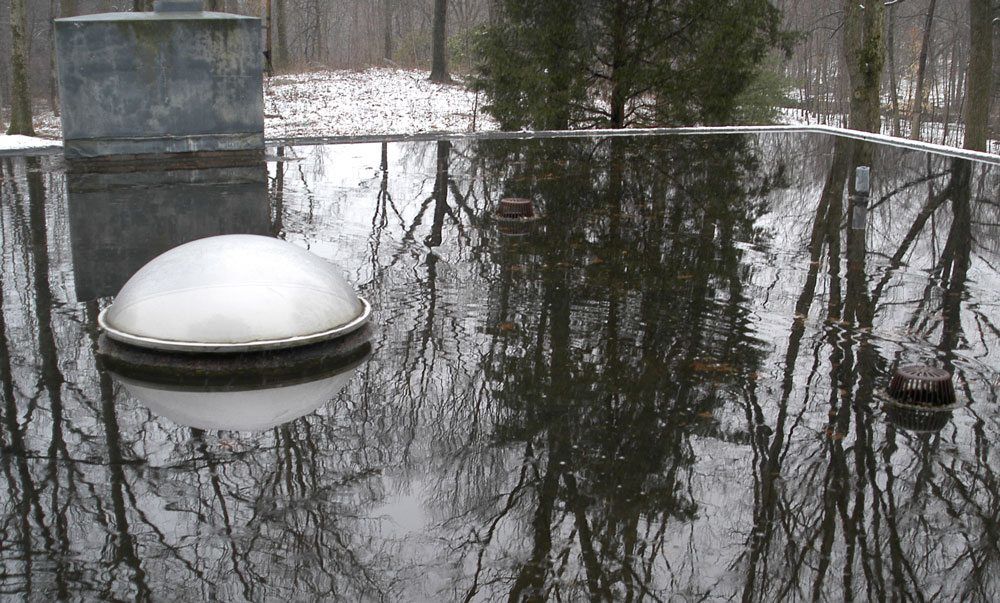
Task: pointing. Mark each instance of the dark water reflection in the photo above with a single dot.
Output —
(668, 389)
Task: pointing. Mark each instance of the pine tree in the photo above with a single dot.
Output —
(563, 63)
(531, 65)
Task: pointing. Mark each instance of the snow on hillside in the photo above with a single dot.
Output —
(374, 101)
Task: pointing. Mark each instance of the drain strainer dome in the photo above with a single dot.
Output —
(234, 293)
(922, 385)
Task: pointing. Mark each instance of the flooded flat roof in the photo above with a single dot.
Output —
(673, 382)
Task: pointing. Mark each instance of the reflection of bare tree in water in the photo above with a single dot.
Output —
(583, 391)
(604, 339)
(611, 407)
(278, 195)
(84, 517)
(857, 514)
(54, 531)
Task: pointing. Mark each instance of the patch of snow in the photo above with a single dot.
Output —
(23, 143)
(374, 101)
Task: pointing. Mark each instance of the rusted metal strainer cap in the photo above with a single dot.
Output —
(922, 385)
(515, 208)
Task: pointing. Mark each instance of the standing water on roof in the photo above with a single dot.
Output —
(671, 384)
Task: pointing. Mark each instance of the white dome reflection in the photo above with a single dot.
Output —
(234, 293)
(236, 409)
(239, 392)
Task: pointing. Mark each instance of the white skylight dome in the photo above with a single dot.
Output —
(234, 293)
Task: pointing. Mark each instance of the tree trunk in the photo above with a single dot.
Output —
(918, 96)
(440, 194)
(214, 6)
(53, 87)
(268, 14)
(864, 50)
(281, 41)
(980, 74)
(277, 224)
(893, 84)
(951, 90)
(20, 116)
(439, 64)
(618, 41)
(387, 30)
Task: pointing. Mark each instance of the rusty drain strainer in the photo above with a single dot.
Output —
(925, 386)
(516, 208)
(920, 398)
(514, 216)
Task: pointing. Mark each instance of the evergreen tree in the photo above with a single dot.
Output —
(614, 63)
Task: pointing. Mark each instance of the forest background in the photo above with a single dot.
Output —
(923, 69)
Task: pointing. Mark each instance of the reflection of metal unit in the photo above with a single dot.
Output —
(120, 221)
(921, 385)
(175, 81)
(234, 293)
(862, 188)
(916, 419)
(512, 208)
(515, 215)
(862, 180)
(248, 392)
(514, 228)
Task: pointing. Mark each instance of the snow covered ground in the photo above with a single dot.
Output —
(374, 101)
(20, 143)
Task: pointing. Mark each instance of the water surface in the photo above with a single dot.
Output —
(669, 388)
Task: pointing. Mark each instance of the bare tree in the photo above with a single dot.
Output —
(980, 74)
(864, 50)
(281, 35)
(893, 85)
(387, 26)
(919, 95)
(439, 64)
(268, 14)
(20, 118)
